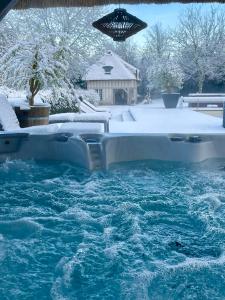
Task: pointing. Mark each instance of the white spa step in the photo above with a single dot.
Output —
(95, 151)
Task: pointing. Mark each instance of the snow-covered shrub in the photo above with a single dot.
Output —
(165, 74)
(36, 64)
(89, 95)
(4, 90)
(60, 100)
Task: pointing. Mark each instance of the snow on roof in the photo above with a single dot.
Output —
(121, 70)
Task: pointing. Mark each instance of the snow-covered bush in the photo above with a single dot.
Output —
(89, 95)
(60, 100)
(4, 90)
(165, 75)
(34, 65)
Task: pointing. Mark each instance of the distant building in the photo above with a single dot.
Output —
(114, 79)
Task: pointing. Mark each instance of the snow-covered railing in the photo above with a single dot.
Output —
(204, 101)
(207, 95)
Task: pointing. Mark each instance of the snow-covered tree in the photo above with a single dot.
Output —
(7, 36)
(156, 49)
(200, 39)
(165, 75)
(159, 63)
(158, 43)
(34, 65)
(73, 24)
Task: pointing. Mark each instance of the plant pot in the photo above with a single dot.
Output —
(170, 100)
(33, 115)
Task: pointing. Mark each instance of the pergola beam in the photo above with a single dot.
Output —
(23, 4)
(5, 6)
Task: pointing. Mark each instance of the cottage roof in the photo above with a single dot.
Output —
(120, 70)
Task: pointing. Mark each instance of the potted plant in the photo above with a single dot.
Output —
(167, 76)
(34, 65)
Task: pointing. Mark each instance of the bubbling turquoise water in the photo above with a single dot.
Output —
(146, 230)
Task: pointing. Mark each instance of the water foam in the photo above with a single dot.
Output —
(139, 231)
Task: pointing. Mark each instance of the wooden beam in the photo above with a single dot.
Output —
(5, 6)
(24, 4)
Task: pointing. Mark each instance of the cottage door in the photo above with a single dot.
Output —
(120, 97)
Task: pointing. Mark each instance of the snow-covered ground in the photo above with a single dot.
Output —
(154, 118)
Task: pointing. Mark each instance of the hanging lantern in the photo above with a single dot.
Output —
(119, 25)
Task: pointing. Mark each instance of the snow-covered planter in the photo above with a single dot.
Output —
(170, 100)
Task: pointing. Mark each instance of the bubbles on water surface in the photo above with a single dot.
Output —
(145, 230)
